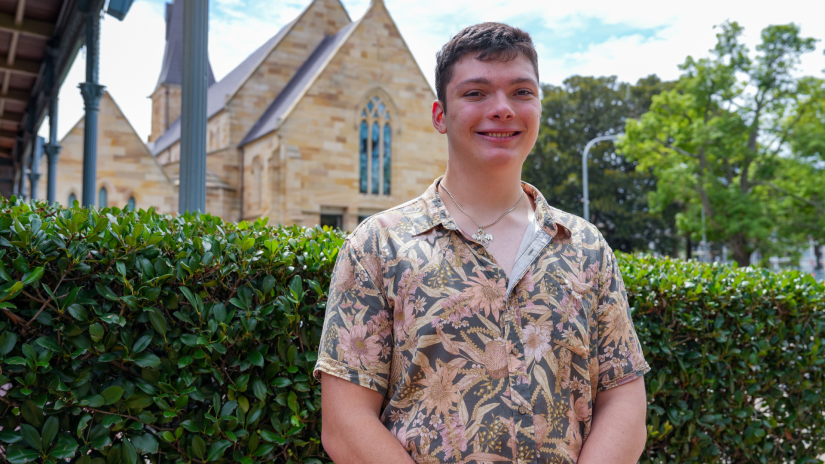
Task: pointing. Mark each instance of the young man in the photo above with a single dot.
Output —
(477, 323)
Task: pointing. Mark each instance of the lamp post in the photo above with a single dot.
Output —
(584, 170)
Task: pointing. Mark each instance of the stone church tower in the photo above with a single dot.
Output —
(166, 99)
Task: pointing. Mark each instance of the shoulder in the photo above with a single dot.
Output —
(563, 226)
(582, 231)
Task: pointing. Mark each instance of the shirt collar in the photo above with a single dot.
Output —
(435, 213)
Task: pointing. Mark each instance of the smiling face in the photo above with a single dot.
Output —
(493, 112)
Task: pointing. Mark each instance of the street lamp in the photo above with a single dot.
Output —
(584, 169)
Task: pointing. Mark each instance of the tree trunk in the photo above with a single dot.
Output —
(817, 256)
(688, 247)
(741, 254)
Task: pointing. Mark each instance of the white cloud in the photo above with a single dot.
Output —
(665, 33)
(679, 31)
(234, 34)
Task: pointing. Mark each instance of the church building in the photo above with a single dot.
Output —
(327, 123)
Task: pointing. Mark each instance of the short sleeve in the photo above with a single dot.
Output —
(619, 350)
(356, 342)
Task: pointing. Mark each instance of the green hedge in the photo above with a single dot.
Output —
(131, 335)
(737, 365)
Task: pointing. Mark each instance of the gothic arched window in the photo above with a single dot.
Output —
(72, 199)
(375, 148)
(101, 198)
(256, 189)
(131, 204)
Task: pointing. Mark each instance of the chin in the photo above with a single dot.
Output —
(501, 157)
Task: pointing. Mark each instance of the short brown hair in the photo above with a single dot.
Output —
(488, 41)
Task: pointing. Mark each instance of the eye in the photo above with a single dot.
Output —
(473, 93)
(525, 92)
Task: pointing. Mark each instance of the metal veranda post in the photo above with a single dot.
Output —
(192, 189)
(91, 91)
(584, 170)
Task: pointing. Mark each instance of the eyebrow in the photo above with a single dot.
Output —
(475, 80)
(485, 81)
(522, 80)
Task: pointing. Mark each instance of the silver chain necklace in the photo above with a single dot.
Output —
(481, 236)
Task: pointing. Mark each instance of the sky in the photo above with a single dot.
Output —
(630, 39)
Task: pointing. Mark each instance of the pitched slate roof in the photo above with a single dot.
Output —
(216, 93)
(171, 71)
(298, 85)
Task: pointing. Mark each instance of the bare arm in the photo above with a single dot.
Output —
(619, 433)
(351, 431)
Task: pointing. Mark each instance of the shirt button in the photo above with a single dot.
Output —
(523, 410)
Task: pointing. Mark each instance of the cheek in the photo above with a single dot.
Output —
(460, 121)
(532, 118)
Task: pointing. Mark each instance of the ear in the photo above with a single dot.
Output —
(439, 117)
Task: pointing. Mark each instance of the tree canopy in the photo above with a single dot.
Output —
(574, 113)
(740, 137)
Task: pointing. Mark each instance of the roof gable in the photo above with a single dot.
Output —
(298, 85)
(221, 92)
(138, 141)
(302, 81)
(217, 93)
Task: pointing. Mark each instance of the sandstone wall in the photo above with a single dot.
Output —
(125, 167)
(245, 107)
(319, 142)
(166, 101)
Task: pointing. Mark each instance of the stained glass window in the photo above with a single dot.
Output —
(376, 156)
(363, 157)
(387, 157)
(131, 204)
(72, 199)
(374, 148)
(101, 198)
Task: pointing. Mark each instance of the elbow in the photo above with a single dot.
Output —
(642, 443)
(332, 442)
(641, 433)
(325, 439)
(328, 440)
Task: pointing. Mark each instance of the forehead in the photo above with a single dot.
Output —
(496, 71)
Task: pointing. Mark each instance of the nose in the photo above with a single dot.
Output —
(501, 108)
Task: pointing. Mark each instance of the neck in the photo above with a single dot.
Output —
(483, 193)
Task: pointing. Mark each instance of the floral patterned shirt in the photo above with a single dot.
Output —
(420, 312)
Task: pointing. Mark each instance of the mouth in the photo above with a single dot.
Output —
(499, 135)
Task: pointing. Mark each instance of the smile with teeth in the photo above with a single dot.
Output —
(499, 134)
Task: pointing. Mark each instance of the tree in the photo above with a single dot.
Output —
(800, 211)
(573, 114)
(798, 202)
(721, 139)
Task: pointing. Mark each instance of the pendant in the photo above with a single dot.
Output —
(482, 237)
